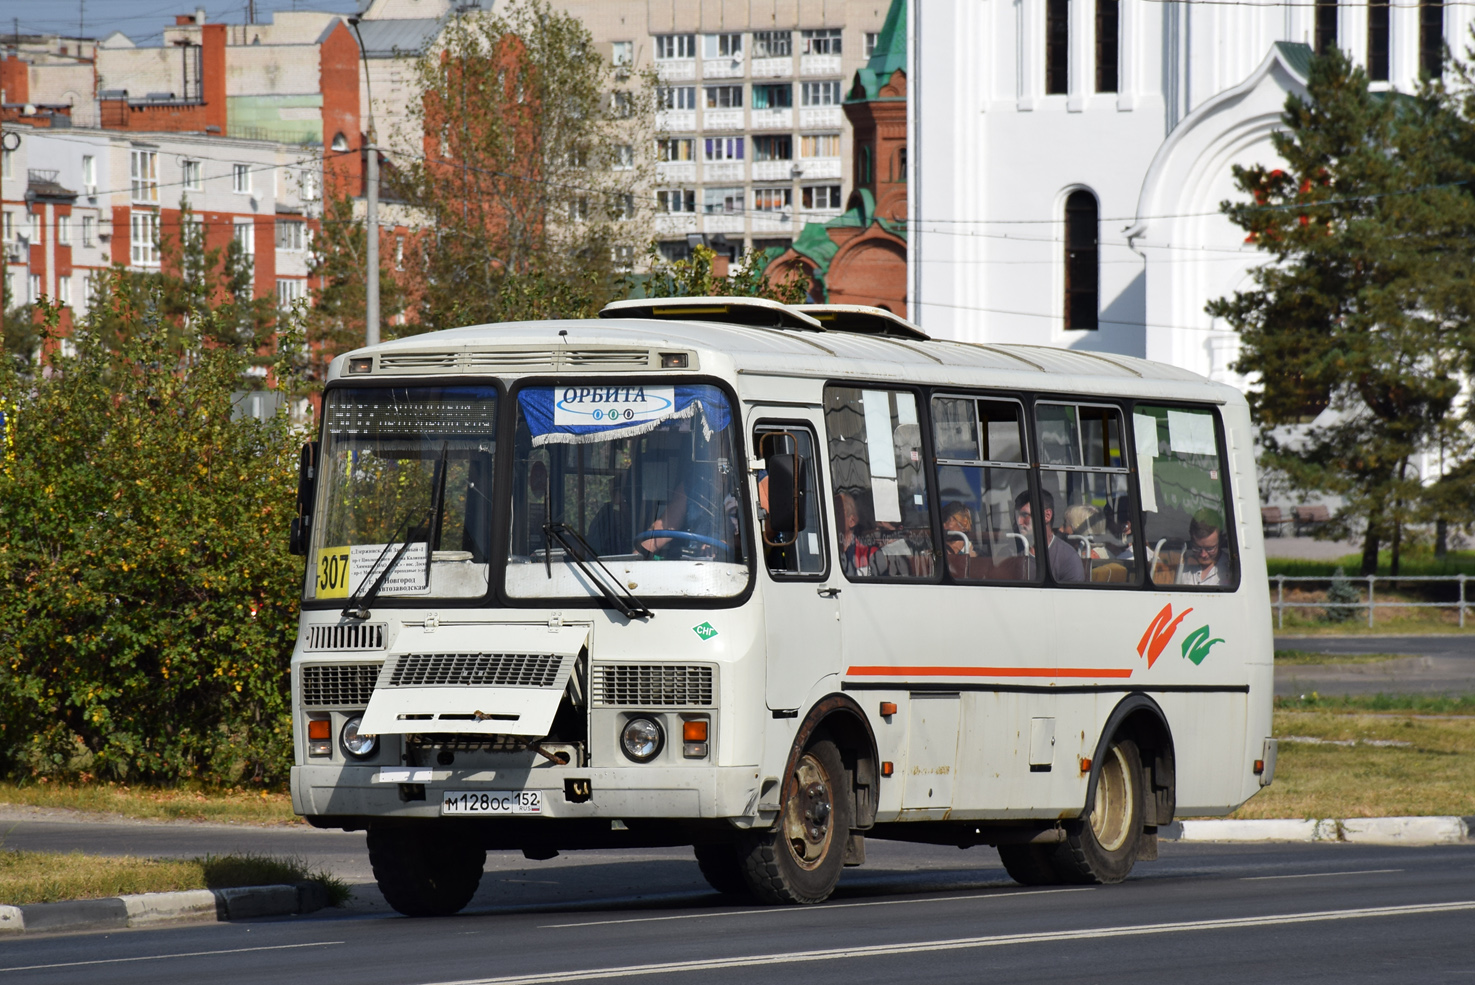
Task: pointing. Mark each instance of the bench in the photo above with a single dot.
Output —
(1310, 517)
(1273, 521)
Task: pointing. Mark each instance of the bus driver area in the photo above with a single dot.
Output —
(768, 581)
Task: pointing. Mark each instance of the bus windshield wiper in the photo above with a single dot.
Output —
(619, 596)
(358, 606)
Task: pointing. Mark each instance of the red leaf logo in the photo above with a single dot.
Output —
(1159, 633)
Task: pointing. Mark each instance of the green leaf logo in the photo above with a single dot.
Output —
(1198, 644)
(705, 631)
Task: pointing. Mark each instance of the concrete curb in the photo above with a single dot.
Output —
(153, 909)
(1353, 831)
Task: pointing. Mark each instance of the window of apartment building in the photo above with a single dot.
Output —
(673, 46)
(63, 230)
(289, 292)
(772, 199)
(399, 253)
(1108, 46)
(578, 208)
(724, 149)
(773, 44)
(89, 174)
(194, 180)
(1431, 38)
(722, 45)
(676, 200)
(676, 97)
(820, 196)
(871, 38)
(577, 157)
(1377, 40)
(7, 164)
(622, 206)
(622, 104)
(143, 239)
(822, 93)
(724, 97)
(1326, 26)
(240, 178)
(35, 281)
(1057, 46)
(307, 184)
(773, 96)
(91, 281)
(89, 230)
(675, 249)
(675, 149)
(1082, 269)
(9, 227)
(825, 41)
(624, 157)
(64, 290)
(289, 234)
(622, 54)
(244, 233)
(720, 201)
(774, 148)
(37, 223)
(143, 169)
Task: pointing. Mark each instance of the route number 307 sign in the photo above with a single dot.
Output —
(341, 571)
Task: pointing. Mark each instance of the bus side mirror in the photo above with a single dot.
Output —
(306, 487)
(787, 496)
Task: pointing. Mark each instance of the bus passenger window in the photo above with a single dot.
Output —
(1187, 523)
(981, 471)
(805, 554)
(1083, 472)
(881, 507)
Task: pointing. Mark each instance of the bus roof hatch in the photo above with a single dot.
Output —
(862, 319)
(758, 312)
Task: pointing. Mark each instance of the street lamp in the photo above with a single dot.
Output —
(371, 299)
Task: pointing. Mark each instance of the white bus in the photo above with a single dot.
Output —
(764, 580)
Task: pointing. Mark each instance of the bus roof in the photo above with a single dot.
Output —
(635, 344)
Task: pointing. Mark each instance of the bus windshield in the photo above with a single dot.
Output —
(646, 474)
(405, 467)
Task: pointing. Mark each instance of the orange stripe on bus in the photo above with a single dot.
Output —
(987, 672)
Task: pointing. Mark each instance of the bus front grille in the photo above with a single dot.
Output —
(338, 685)
(475, 670)
(346, 636)
(653, 685)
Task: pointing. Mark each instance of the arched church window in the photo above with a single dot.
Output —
(1108, 45)
(1377, 40)
(1082, 261)
(1057, 46)
(864, 178)
(1431, 38)
(1326, 26)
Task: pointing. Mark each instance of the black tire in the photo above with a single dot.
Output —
(800, 858)
(722, 867)
(424, 872)
(1030, 865)
(1102, 846)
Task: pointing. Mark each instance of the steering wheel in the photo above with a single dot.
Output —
(683, 535)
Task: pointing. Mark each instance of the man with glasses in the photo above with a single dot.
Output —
(1205, 562)
(1065, 563)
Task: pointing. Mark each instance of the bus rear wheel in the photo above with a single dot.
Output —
(1030, 865)
(800, 858)
(425, 873)
(1102, 847)
(722, 865)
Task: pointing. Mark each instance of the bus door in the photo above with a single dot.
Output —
(801, 607)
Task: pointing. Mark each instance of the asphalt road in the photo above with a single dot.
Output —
(1442, 664)
(1202, 914)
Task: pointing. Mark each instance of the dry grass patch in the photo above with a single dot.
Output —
(49, 877)
(157, 804)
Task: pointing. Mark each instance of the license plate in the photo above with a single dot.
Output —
(492, 802)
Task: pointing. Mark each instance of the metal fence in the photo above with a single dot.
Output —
(1369, 601)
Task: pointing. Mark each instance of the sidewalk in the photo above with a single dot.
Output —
(1410, 831)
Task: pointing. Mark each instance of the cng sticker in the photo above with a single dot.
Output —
(705, 631)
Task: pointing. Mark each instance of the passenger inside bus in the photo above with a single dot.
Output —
(1065, 563)
(1205, 562)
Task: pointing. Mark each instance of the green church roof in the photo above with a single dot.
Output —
(889, 55)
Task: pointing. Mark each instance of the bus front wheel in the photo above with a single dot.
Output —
(1102, 846)
(799, 859)
(423, 873)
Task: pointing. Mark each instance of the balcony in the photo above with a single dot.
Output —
(719, 222)
(773, 170)
(722, 171)
(676, 70)
(773, 119)
(772, 68)
(675, 223)
(816, 215)
(819, 65)
(676, 120)
(773, 222)
(816, 117)
(676, 172)
(722, 68)
(722, 119)
(819, 167)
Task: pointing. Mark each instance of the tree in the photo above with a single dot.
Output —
(339, 260)
(696, 276)
(1365, 311)
(536, 160)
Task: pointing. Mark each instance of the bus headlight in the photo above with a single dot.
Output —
(356, 745)
(642, 739)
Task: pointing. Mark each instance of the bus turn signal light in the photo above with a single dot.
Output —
(694, 731)
(319, 728)
(887, 769)
(1259, 767)
(888, 708)
(1085, 765)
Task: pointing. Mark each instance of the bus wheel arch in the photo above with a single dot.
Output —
(1140, 718)
(840, 719)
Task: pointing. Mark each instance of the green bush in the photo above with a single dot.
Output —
(149, 604)
(1342, 593)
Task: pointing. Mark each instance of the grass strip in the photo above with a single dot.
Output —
(156, 804)
(1306, 658)
(49, 877)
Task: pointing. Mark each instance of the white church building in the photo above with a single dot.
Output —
(1069, 157)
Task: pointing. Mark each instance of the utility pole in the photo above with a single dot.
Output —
(371, 285)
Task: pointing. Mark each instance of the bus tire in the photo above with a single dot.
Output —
(1101, 847)
(722, 867)
(1030, 865)
(800, 858)
(425, 873)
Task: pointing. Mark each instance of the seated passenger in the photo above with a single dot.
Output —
(957, 530)
(1205, 561)
(1065, 563)
(1086, 525)
(855, 556)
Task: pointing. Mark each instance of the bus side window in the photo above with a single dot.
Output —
(805, 556)
(1186, 520)
(982, 470)
(881, 498)
(1085, 484)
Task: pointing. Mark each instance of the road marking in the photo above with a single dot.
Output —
(1319, 875)
(824, 906)
(965, 943)
(160, 957)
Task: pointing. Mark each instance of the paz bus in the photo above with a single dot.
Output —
(769, 581)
